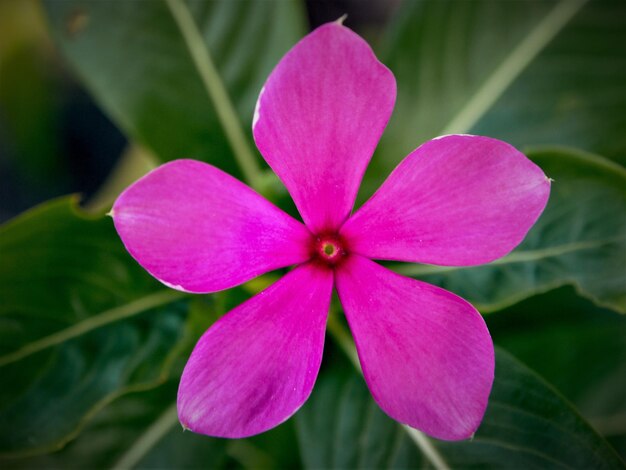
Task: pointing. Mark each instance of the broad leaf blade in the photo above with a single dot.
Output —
(71, 334)
(580, 239)
(132, 57)
(122, 426)
(527, 425)
(141, 430)
(554, 331)
(573, 92)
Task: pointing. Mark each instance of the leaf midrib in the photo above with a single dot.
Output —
(216, 91)
(94, 322)
(148, 439)
(512, 66)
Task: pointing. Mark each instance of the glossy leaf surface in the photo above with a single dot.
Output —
(119, 430)
(80, 323)
(140, 430)
(554, 331)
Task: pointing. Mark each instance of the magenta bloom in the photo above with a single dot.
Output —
(457, 200)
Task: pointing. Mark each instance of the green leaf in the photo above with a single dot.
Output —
(141, 430)
(580, 239)
(141, 427)
(527, 425)
(137, 64)
(541, 330)
(552, 332)
(549, 72)
(80, 323)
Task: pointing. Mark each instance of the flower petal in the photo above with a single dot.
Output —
(427, 356)
(257, 365)
(318, 119)
(198, 229)
(456, 200)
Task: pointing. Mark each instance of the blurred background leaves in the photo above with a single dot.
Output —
(91, 346)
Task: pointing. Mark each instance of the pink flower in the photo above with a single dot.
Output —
(458, 200)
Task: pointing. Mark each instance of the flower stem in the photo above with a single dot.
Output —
(216, 90)
(343, 339)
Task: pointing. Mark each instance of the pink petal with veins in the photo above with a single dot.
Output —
(456, 200)
(426, 354)
(319, 118)
(257, 365)
(198, 229)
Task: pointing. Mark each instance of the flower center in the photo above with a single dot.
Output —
(329, 249)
